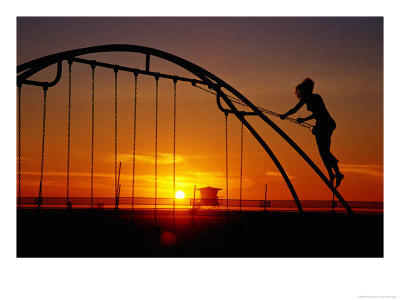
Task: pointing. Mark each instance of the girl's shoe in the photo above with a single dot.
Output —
(339, 178)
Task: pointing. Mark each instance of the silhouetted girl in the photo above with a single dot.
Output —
(324, 125)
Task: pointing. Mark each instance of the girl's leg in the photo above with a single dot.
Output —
(323, 147)
(330, 161)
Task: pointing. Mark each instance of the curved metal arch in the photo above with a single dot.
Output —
(57, 78)
(30, 68)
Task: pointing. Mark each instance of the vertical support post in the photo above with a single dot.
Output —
(265, 198)
(194, 200)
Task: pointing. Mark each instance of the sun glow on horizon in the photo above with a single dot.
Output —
(179, 195)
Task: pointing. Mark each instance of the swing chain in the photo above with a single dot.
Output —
(115, 130)
(93, 66)
(264, 110)
(174, 166)
(155, 147)
(43, 139)
(69, 126)
(226, 160)
(19, 145)
(134, 141)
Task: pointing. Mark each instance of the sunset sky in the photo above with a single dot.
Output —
(263, 58)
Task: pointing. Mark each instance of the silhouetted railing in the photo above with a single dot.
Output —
(164, 204)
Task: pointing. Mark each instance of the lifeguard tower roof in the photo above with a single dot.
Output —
(209, 192)
(209, 196)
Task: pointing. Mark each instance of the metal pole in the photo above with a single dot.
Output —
(265, 198)
(194, 199)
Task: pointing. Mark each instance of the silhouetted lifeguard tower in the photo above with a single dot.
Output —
(209, 196)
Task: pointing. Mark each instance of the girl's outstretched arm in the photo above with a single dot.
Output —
(310, 117)
(293, 110)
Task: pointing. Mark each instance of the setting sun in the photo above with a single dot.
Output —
(179, 195)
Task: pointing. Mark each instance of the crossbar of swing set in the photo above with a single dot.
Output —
(95, 63)
(137, 71)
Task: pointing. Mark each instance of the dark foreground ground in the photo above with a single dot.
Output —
(99, 233)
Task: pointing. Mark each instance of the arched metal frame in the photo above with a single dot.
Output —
(26, 70)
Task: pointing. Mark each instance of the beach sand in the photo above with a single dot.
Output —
(109, 233)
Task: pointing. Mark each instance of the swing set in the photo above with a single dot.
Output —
(234, 103)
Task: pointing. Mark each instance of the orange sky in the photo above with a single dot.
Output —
(263, 58)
